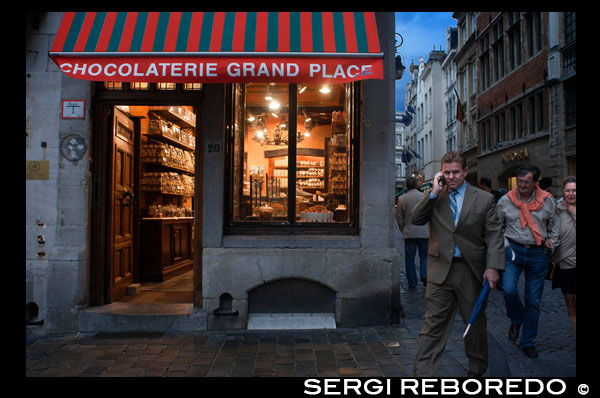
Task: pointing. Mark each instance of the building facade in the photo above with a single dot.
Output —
(450, 97)
(400, 148)
(523, 92)
(466, 65)
(102, 204)
(426, 135)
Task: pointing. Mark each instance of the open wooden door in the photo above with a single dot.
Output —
(121, 233)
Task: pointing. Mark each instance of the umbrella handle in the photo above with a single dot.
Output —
(466, 330)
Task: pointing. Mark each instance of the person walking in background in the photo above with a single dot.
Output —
(527, 214)
(565, 255)
(486, 185)
(545, 183)
(415, 236)
(465, 250)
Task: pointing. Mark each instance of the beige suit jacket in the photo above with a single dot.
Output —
(478, 233)
(406, 203)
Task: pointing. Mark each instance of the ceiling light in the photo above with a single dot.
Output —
(325, 89)
(274, 105)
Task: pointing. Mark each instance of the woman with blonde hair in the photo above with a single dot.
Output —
(565, 255)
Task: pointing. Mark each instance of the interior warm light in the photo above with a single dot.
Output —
(251, 118)
(274, 105)
(325, 90)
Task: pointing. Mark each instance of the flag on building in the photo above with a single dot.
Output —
(406, 118)
(460, 114)
(411, 109)
(415, 154)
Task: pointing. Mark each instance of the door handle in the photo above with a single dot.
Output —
(128, 194)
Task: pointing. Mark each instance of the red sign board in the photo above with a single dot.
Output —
(221, 69)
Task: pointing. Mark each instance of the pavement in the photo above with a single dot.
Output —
(377, 351)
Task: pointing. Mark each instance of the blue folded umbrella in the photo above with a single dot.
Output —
(483, 295)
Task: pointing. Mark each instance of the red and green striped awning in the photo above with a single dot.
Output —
(219, 46)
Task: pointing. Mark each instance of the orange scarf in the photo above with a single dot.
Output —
(526, 208)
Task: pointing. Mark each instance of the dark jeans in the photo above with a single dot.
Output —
(410, 249)
(534, 263)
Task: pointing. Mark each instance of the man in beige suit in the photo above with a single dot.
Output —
(465, 249)
(415, 236)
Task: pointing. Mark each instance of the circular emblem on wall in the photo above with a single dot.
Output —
(73, 147)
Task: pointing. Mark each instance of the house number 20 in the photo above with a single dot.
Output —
(214, 148)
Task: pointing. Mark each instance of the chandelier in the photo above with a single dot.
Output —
(277, 136)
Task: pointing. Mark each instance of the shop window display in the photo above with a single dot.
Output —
(306, 146)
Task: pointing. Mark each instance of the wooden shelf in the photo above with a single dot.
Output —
(165, 113)
(169, 140)
(169, 166)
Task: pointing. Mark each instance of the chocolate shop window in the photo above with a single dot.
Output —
(291, 154)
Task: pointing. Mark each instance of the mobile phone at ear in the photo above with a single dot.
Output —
(441, 180)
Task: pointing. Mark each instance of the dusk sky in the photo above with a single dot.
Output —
(421, 32)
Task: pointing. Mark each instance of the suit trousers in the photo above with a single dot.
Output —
(460, 287)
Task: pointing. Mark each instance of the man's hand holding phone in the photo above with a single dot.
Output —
(438, 183)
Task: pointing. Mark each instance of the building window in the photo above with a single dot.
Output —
(192, 86)
(166, 86)
(113, 86)
(518, 120)
(512, 124)
(514, 40)
(499, 122)
(485, 135)
(534, 33)
(498, 50)
(570, 103)
(535, 113)
(292, 138)
(473, 78)
(484, 62)
(139, 85)
(570, 25)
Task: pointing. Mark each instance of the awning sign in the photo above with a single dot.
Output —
(217, 70)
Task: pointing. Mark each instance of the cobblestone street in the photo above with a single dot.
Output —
(355, 352)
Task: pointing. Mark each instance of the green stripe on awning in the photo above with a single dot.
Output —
(184, 30)
(317, 32)
(228, 25)
(205, 36)
(117, 33)
(338, 32)
(361, 34)
(273, 32)
(250, 33)
(74, 31)
(295, 32)
(161, 31)
(95, 32)
(138, 33)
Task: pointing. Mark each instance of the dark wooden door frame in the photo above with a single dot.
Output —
(100, 198)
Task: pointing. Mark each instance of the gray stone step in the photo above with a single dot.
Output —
(142, 317)
(281, 321)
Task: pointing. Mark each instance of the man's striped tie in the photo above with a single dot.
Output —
(453, 207)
